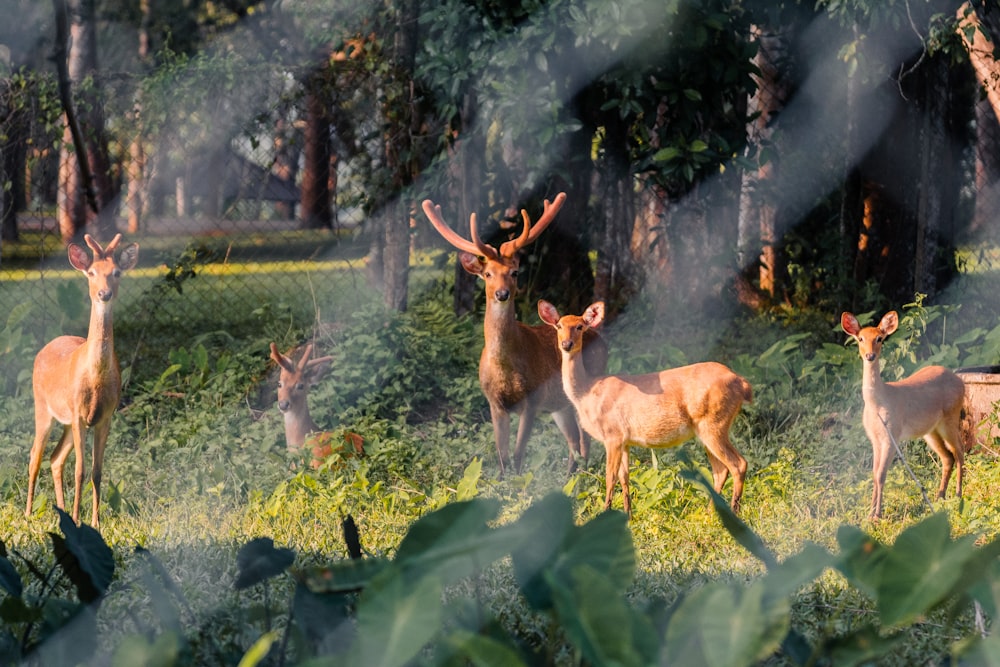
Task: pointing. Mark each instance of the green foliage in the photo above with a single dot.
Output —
(387, 611)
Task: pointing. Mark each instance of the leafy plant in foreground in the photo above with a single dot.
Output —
(414, 607)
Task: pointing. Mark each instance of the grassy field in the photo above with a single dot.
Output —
(196, 465)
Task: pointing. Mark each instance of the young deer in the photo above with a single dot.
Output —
(927, 404)
(519, 364)
(77, 381)
(294, 382)
(656, 410)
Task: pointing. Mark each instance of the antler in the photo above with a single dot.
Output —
(529, 233)
(305, 356)
(507, 249)
(100, 252)
(475, 246)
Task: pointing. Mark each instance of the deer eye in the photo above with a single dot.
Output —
(117, 273)
(513, 274)
(300, 386)
(878, 339)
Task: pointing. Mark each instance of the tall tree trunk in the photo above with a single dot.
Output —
(12, 166)
(135, 198)
(758, 216)
(979, 34)
(403, 123)
(316, 199)
(470, 153)
(82, 63)
(616, 279)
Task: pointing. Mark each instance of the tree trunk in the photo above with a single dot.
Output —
(82, 63)
(316, 199)
(616, 279)
(758, 215)
(470, 153)
(137, 186)
(402, 116)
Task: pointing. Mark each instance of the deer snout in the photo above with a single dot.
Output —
(105, 295)
(870, 356)
(502, 294)
(566, 345)
(284, 405)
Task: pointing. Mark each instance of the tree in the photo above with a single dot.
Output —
(84, 166)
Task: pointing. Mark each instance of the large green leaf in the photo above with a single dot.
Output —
(726, 625)
(10, 580)
(454, 542)
(860, 560)
(483, 651)
(259, 560)
(599, 621)
(396, 617)
(860, 647)
(545, 524)
(921, 570)
(84, 557)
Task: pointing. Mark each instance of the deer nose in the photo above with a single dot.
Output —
(105, 295)
(283, 405)
(870, 356)
(567, 345)
(502, 295)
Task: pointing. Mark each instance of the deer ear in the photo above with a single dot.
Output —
(129, 257)
(849, 324)
(889, 323)
(547, 312)
(78, 257)
(594, 314)
(471, 263)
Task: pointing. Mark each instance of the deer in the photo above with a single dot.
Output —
(294, 382)
(77, 381)
(928, 404)
(655, 410)
(519, 365)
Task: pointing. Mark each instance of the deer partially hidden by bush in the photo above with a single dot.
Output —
(295, 380)
(661, 409)
(519, 365)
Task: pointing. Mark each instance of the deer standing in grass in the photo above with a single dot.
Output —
(294, 382)
(654, 410)
(519, 364)
(77, 381)
(927, 404)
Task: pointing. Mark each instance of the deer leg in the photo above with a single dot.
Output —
(525, 421)
(613, 456)
(43, 424)
(565, 419)
(881, 458)
(101, 432)
(79, 440)
(623, 480)
(725, 460)
(501, 435)
(58, 460)
(952, 436)
(936, 444)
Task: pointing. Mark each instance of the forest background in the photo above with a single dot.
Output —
(738, 173)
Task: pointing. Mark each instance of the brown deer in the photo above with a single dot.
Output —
(655, 410)
(77, 381)
(928, 404)
(294, 382)
(519, 364)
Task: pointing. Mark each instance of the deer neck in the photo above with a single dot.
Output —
(872, 385)
(500, 329)
(298, 426)
(576, 380)
(100, 343)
